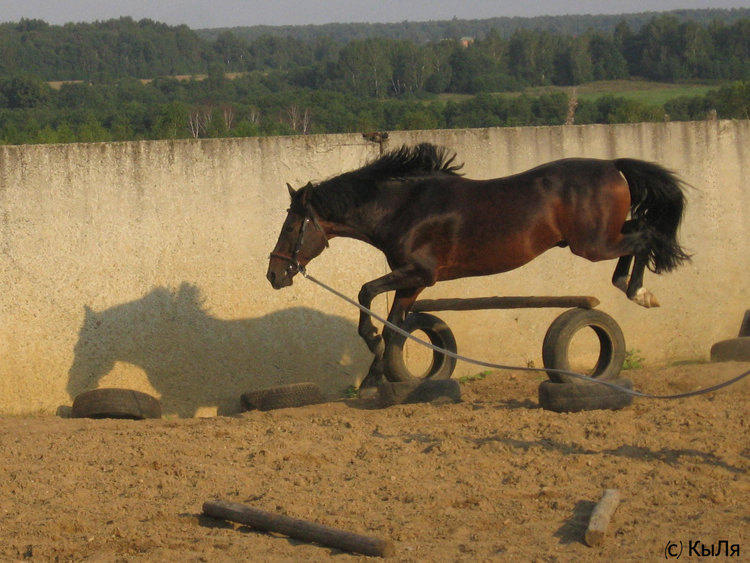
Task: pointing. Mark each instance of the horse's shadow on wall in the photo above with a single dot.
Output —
(195, 360)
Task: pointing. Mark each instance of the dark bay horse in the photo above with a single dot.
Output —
(433, 224)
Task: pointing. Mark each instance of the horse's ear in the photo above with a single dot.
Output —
(90, 318)
(306, 193)
(292, 191)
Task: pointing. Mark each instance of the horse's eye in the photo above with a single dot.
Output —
(289, 229)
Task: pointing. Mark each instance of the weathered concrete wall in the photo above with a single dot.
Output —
(142, 264)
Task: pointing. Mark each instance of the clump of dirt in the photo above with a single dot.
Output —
(493, 477)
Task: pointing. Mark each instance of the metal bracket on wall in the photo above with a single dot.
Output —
(380, 137)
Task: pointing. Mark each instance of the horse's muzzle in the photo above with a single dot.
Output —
(279, 280)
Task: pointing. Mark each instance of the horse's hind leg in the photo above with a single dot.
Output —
(621, 277)
(636, 292)
(631, 283)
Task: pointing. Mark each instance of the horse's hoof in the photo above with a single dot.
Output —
(367, 393)
(371, 381)
(645, 298)
(375, 375)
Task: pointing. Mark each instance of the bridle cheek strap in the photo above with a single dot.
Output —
(293, 260)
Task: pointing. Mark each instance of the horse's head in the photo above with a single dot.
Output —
(159, 333)
(301, 239)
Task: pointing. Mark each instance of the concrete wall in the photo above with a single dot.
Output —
(142, 264)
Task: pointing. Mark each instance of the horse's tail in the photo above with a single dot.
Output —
(657, 206)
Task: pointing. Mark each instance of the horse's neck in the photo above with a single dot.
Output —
(370, 222)
(355, 231)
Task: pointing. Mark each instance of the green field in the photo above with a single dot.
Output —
(649, 93)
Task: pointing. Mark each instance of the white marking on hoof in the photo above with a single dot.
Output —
(645, 298)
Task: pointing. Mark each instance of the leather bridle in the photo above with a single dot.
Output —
(293, 258)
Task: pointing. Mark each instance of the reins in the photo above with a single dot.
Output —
(491, 365)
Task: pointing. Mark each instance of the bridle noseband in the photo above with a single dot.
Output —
(293, 259)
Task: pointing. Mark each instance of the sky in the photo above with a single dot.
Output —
(199, 14)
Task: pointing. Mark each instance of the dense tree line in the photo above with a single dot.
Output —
(264, 104)
(664, 47)
(101, 50)
(437, 30)
(286, 85)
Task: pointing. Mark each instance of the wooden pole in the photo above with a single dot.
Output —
(299, 529)
(600, 517)
(472, 303)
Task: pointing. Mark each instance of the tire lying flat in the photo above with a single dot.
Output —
(732, 350)
(584, 396)
(745, 326)
(282, 397)
(116, 403)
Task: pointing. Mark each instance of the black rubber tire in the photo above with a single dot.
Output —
(115, 403)
(585, 396)
(439, 334)
(732, 350)
(418, 391)
(560, 333)
(282, 397)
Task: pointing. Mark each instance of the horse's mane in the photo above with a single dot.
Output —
(420, 160)
(332, 198)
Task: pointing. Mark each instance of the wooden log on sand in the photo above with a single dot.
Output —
(299, 529)
(472, 303)
(600, 517)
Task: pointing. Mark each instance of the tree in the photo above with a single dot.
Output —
(172, 121)
(216, 79)
(573, 63)
(25, 91)
(732, 102)
(299, 119)
(365, 67)
(607, 61)
(92, 131)
(698, 51)
(660, 41)
(532, 55)
(411, 67)
(441, 73)
(616, 109)
(687, 108)
(468, 69)
(628, 44)
(232, 50)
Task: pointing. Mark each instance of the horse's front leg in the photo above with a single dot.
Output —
(402, 304)
(407, 283)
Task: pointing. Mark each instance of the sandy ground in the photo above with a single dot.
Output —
(492, 478)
